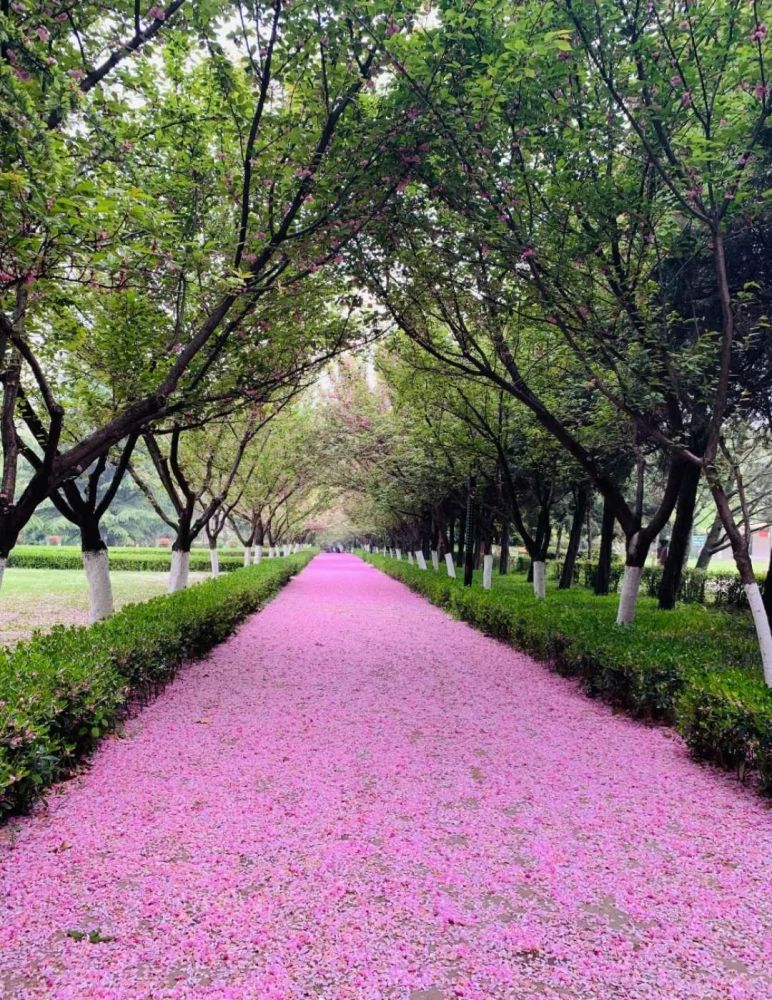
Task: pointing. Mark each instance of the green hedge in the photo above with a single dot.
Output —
(696, 668)
(60, 692)
(152, 560)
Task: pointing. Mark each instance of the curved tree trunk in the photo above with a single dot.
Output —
(711, 540)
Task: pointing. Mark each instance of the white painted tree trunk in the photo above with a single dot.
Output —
(435, 561)
(420, 559)
(451, 566)
(631, 584)
(2, 570)
(763, 631)
(539, 578)
(100, 590)
(410, 558)
(246, 555)
(178, 577)
(214, 561)
(258, 553)
(488, 572)
(399, 553)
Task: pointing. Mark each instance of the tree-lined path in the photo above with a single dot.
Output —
(356, 797)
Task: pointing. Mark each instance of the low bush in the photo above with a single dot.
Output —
(60, 692)
(150, 560)
(697, 668)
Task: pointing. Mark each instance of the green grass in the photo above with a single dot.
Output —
(37, 599)
(720, 639)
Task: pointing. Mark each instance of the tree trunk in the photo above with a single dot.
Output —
(628, 599)
(450, 565)
(178, 575)
(742, 558)
(681, 538)
(247, 554)
(97, 568)
(214, 560)
(767, 589)
(711, 540)
(637, 550)
(487, 571)
(180, 568)
(460, 541)
(559, 541)
(589, 533)
(470, 532)
(574, 539)
(259, 537)
(504, 557)
(539, 578)
(603, 569)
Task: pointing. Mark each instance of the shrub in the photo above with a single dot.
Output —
(148, 560)
(60, 692)
(693, 667)
(727, 718)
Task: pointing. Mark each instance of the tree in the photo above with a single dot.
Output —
(579, 152)
(187, 192)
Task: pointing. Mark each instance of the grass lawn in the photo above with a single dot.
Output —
(33, 599)
(715, 637)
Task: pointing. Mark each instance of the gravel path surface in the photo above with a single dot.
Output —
(357, 798)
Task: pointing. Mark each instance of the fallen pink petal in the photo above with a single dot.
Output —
(385, 803)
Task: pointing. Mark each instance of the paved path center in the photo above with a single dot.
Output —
(357, 798)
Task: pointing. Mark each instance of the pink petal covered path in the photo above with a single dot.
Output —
(357, 798)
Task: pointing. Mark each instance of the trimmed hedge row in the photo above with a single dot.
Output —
(148, 560)
(672, 667)
(60, 692)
